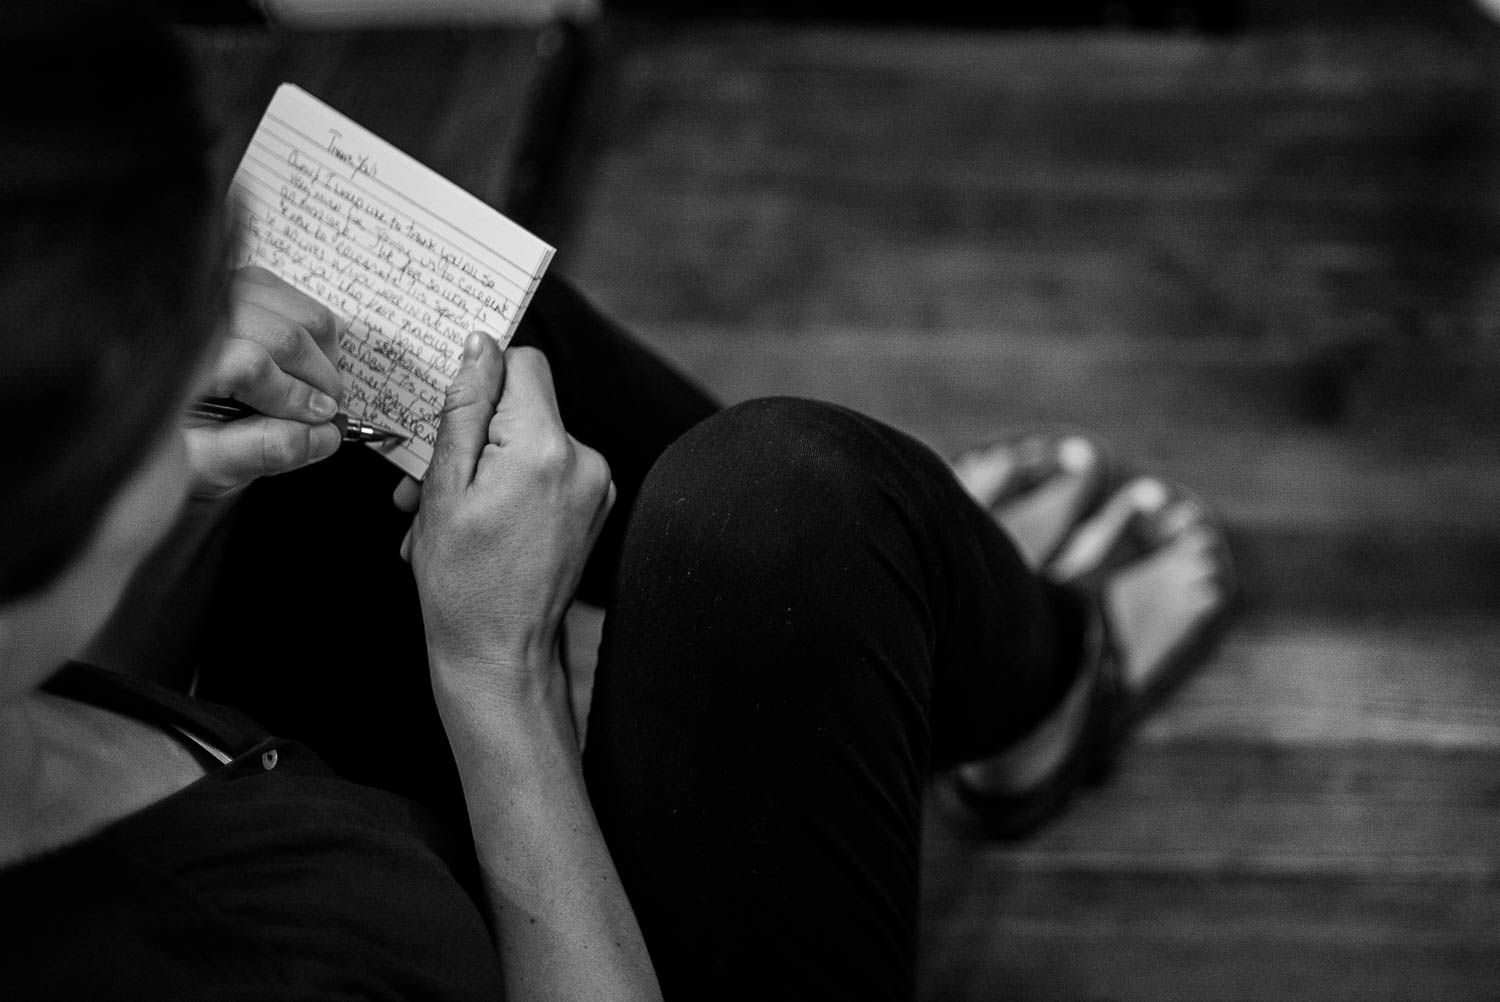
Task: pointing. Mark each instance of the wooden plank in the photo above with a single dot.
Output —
(1302, 681)
(1038, 266)
(1079, 935)
(1226, 807)
(923, 180)
(1223, 870)
(1425, 405)
(1387, 573)
(1312, 61)
(804, 95)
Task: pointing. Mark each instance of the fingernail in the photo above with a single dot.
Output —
(473, 346)
(325, 441)
(323, 405)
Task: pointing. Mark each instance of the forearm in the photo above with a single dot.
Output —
(562, 923)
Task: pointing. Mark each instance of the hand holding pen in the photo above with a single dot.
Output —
(279, 364)
(351, 429)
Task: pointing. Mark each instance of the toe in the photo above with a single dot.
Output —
(1077, 455)
(1101, 535)
(986, 472)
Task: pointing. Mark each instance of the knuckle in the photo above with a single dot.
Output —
(324, 326)
(595, 469)
(260, 367)
(601, 466)
(283, 341)
(240, 364)
(548, 459)
(553, 453)
(458, 395)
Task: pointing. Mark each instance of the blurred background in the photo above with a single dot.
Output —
(1253, 245)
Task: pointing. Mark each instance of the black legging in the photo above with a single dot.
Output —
(806, 615)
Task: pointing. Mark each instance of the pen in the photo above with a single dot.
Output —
(353, 429)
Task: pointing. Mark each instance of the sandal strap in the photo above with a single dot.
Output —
(1104, 726)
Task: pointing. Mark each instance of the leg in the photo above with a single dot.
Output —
(352, 683)
(811, 614)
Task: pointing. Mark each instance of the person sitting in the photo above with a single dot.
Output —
(386, 784)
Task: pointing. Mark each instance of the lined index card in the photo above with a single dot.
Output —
(410, 262)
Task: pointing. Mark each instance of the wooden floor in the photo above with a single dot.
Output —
(1266, 265)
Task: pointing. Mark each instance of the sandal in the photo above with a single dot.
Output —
(1132, 537)
(1038, 486)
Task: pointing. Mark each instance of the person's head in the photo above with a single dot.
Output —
(111, 262)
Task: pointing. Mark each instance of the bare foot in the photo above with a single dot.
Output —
(1166, 575)
(1161, 570)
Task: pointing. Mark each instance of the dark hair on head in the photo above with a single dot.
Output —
(110, 265)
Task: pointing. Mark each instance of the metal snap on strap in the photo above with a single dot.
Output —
(268, 759)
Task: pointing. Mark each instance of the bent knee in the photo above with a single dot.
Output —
(793, 471)
(778, 445)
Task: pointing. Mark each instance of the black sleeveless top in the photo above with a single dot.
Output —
(268, 878)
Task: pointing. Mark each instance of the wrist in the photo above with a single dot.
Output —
(522, 697)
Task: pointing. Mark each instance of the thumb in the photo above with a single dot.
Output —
(468, 406)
